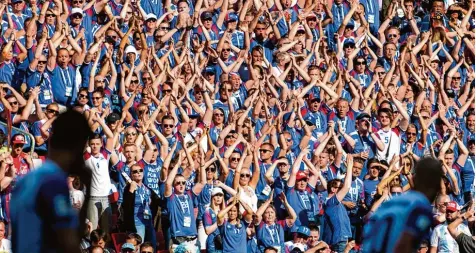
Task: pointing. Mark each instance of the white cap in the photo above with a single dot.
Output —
(216, 190)
(77, 10)
(150, 16)
(300, 246)
(130, 49)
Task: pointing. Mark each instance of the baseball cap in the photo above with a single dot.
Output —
(128, 246)
(77, 11)
(452, 206)
(301, 28)
(206, 15)
(303, 230)
(216, 190)
(130, 49)
(471, 138)
(349, 42)
(231, 17)
(298, 247)
(150, 16)
(362, 116)
(113, 117)
(16, 1)
(300, 175)
(209, 69)
(18, 139)
(311, 15)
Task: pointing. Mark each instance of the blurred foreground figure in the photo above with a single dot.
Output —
(400, 224)
(42, 217)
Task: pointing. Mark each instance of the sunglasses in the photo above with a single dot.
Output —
(141, 111)
(77, 2)
(52, 111)
(392, 35)
(289, 139)
(96, 98)
(229, 90)
(146, 252)
(349, 46)
(14, 102)
(229, 136)
(76, 16)
(50, 15)
(381, 73)
(168, 126)
(218, 114)
(146, 78)
(166, 91)
(411, 134)
(131, 134)
(211, 169)
(361, 63)
(99, 81)
(42, 62)
(245, 175)
(234, 159)
(137, 38)
(166, 28)
(456, 78)
(114, 37)
(264, 150)
(137, 171)
(180, 183)
(226, 49)
(83, 96)
(135, 81)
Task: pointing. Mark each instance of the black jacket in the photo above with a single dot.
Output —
(128, 207)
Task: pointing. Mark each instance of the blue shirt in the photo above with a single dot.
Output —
(337, 223)
(182, 218)
(467, 174)
(209, 218)
(63, 82)
(408, 213)
(40, 207)
(151, 174)
(370, 189)
(305, 204)
(234, 237)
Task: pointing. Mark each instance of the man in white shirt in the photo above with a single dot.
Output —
(5, 244)
(97, 160)
(441, 239)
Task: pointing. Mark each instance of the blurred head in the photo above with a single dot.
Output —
(428, 172)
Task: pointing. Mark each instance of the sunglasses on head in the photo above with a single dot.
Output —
(137, 171)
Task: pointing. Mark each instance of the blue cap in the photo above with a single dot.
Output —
(304, 231)
(206, 15)
(209, 69)
(231, 17)
(471, 138)
(349, 41)
(128, 246)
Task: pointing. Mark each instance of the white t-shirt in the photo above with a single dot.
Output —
(6, 246)
(99, 165)
(391, 139)
(442, 239)
(76, 196)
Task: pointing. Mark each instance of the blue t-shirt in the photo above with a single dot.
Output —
(233, 237)
(370, 189)
(467, 174)
(152, 174)
(40, 207)
(305, 204)
(409, 213)
(209, 218)
(182, 218)
(271, 235)
(336, 222)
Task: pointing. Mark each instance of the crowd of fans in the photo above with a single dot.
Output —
(244, 126)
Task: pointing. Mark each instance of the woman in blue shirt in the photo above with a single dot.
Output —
(270, 231)
(234, 229)
(213, 241)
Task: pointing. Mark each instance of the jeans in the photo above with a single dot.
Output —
(146, 231)
(339, 247)
(99, 212)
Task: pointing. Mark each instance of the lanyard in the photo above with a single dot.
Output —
(66, 82)
(370, 7)
(273, 231)
(143, 195)
(184, 204)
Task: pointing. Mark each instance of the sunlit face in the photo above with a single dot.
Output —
(374, 170)
(384, 119)
(266, 152)
(323, 159)
(50, 18)
(82, 98)
(360, 65)
(224, 90)
(183, 7)
(357, 169)
(218, 116)
(245, 177)
(52, 111)
(217, 199)
(393, 35)
(342, 108)
(313, 238)
(283, 167)
(449, 159)
(442, 202)
(95, 145)
(2, 231)
(179, 184)
(470, 123)
(137, 173)
(456, 81)
(130, 153)
(269, 215)
(389, 51)
(130, 134)
(211, 172)
(14, 103)
(97, 99)
(63, 58)
(411, 134)
(168, 126)
(260, 31)
(234, 159)
(233, 213)
(18, 6)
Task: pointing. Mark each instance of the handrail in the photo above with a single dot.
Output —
(25, 133)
